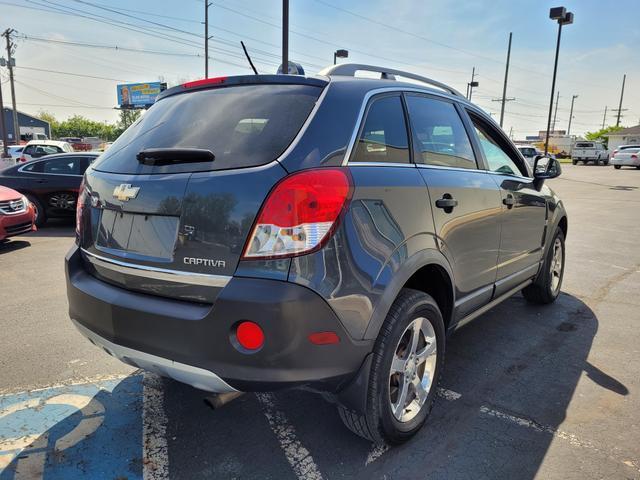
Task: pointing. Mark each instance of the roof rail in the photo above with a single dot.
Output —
(350, 69)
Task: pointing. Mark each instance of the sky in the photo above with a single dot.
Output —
(58, 72)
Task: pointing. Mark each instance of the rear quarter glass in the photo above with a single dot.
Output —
(244, 126)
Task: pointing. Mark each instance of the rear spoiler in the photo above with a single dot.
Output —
(218, 82)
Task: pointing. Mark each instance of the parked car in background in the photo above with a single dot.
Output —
(17, 214)
(40, 148)
(586, 152)
(51, 184)
(626, 157)
(317, 232)
(77, 144)
(15, 151)
(623, 147)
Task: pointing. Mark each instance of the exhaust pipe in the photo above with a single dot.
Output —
(219, 400)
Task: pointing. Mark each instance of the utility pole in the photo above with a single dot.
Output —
(556, 112)
(511, 133)
(471, 84)
(5, 146)
(10, 64)
(604, 119)
(285, 36)
(624, 78)
(206, 38)
(506, 76)
(570, 114)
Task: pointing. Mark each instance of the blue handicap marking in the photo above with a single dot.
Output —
(92, 430)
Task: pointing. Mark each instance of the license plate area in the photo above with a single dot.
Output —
(136, 233)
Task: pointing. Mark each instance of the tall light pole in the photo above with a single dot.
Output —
(555, 112)
(563, 17)
(471, 84)
(340, 54)
(604, 119)
(206, 38)
(285, 36)
(573, 98)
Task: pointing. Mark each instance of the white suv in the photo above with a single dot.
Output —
(39, 148)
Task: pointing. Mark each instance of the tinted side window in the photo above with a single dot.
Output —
(497, 158)
(442, 138)
(63, 166)
(384, 135)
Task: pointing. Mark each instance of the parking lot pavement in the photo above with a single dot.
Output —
(527, 392)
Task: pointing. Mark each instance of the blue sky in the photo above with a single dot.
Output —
(441, 39)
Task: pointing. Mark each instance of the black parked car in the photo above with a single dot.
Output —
(51, 184)
(259, 232)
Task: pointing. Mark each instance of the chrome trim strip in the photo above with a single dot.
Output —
(194, 376)
(365, 102)
(382, 164)
(175, 276)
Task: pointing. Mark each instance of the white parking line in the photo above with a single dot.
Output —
(155, 454)
(297, 455)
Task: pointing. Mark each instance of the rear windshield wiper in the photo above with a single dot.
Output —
(170, 156)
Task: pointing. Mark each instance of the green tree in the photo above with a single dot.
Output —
(599, 136)
(51, 119)
(127, 117)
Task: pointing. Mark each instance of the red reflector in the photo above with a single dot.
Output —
(324, 338)
(204, 81)
(250, 335)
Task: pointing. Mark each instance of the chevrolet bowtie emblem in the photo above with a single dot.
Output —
(125, 192)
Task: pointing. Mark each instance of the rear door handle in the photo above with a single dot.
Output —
(509, 201)
(447, 202)
(41, 181)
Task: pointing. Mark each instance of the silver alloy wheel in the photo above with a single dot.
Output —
(556, 266)
(64, 201)
(412, 369)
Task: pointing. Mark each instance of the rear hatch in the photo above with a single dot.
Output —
(169, 206)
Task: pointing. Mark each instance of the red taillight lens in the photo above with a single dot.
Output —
(299, 214)
(23, 158)
(614, 153)
(324, 338)
(634, 156)
(204, 82)
(82, 198)
(250, 335)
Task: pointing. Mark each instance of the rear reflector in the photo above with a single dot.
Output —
(250, 335)
(324, 338)
(300, 214)
(204, 82)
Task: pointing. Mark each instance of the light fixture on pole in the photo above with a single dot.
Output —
(563, 17)
(340, 54)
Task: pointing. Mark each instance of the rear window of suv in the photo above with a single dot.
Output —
(243, 126)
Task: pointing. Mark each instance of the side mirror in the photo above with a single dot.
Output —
(545, 168)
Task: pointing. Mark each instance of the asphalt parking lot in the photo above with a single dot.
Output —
(528, 392)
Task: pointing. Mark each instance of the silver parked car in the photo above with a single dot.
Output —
(629, 156)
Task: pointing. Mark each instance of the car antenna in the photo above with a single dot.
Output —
(248, 58)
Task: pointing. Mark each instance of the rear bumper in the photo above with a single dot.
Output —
(17, 224)
(626, 162)
(191, 342)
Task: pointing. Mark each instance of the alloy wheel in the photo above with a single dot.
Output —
(556, 266)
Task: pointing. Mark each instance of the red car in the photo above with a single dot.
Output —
(17, 214)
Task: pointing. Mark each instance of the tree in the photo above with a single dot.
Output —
(127, 117)
(599, 136)
(51, 120)
(79, 126)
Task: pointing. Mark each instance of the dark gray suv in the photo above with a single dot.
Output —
(253, 233)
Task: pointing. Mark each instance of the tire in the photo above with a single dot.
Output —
(379, 423)
(617, 167)
(41, 216)
(575, 162)
(546, 287)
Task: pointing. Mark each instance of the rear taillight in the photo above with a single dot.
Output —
(634, 156)
(300, 214)
(614, 153)
(23, 158)
(82, 198)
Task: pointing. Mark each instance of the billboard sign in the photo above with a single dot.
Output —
(139, 95)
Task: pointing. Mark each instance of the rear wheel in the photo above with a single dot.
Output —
(546, 287)
(617, 167)
(407, 361)
(41, 216)
(575, 162)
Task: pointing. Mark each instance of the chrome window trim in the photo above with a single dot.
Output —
(167, 275)
(382, 164)
(446, 167)
(32, 162)
(363, 107)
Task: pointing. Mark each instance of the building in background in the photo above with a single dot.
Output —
(627, 136)
(30, 127)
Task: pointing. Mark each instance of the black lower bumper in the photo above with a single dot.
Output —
(199, 335)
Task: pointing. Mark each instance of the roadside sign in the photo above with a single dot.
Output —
(139, 95)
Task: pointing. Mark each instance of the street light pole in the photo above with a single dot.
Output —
(5, 146)
(624, 79)
(285, 36)
(506, 76)
(571, 114)
(555, 112)
(563, 18)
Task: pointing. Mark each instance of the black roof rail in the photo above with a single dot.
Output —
(350, 69)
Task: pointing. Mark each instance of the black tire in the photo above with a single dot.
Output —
(378, 424)
(542, 290)
(617, 167)
(575, 162)
(41, 215)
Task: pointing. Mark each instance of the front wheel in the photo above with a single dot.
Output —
(617, 167)
(407, 360)
(546, 287)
